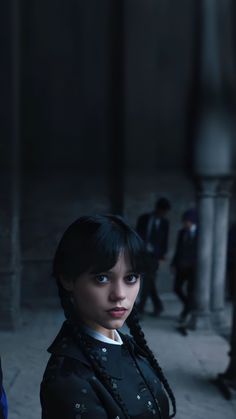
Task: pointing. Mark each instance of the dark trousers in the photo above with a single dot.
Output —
(183, 287)
(149, 288)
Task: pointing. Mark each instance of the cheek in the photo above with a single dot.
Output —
(86, 297)
(134, 292)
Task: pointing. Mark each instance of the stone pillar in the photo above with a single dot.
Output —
(206, 201)
(9, 183)
(213, 138)
(220, 251)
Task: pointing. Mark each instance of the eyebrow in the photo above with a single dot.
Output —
(129, 271)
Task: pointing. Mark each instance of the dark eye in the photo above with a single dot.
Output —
(102, 279)
(132, 278)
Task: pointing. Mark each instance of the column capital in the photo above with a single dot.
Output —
(207, 186)
(225, 186)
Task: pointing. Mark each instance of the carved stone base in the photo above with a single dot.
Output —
(200, 321)
(218, 319)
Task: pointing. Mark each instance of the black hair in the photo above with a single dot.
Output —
(190, 215)
(139, 337)
(94, 243)
(163, 204)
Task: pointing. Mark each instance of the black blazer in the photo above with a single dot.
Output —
(70, 388)
(161, 245)
(185, 252)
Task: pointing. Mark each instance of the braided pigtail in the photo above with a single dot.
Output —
(100, 370)
(139, 337)
(85, 345)
(65, 300)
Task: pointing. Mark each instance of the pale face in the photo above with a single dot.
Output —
(105, 300)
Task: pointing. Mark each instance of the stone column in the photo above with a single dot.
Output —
(213, 139)
(220, 251)
(9, 182)
(206, 201)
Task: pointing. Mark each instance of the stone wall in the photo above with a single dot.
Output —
(65, 117)
(50, 205)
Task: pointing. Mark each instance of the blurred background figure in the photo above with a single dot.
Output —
(231, 262)
(3, 399)
(227, 380)
(184, 261)
(153, 227)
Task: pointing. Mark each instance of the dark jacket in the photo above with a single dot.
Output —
(161, 241)
(185, 251)
(70, 389)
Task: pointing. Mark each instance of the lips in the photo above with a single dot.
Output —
(117, 312)
(118, 309)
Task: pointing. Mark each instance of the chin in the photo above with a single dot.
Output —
(116, 324)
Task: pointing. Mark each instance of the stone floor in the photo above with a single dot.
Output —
(190, 363)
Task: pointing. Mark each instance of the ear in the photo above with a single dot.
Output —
(68, 284)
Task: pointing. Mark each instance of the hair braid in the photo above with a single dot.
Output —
(101, 371)
(139, 337)
(65, 300)
(85, 345)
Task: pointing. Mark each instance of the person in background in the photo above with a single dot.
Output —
(184, 261)
(153, 228)
(227, 380)
(231, 262)
(3, 399)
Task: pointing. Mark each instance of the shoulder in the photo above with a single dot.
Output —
(66, 389)
(67, 360)
(133, 346)
(63, 372)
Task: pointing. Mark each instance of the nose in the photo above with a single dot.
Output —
(117, 291)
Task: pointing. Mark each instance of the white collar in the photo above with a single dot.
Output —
(103, 338)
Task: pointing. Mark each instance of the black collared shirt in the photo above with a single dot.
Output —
(70, 388)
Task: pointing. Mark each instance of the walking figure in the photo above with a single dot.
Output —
(153, 228)
(184, 262)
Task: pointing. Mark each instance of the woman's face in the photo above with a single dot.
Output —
(105, 300)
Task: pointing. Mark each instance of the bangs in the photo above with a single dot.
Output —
(110, 243)
(93, 244)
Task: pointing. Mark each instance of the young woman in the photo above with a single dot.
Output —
(96, 372)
